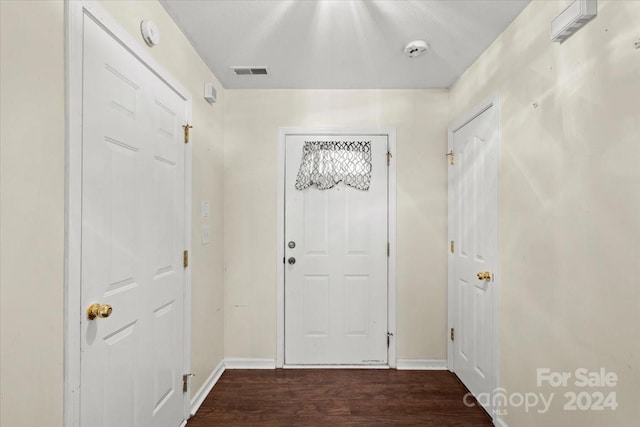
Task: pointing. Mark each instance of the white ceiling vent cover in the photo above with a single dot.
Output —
(250, 70)
(576, 15)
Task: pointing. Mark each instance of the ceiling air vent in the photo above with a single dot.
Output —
(250, 71)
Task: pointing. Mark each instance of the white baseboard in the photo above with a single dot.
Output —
(206, 388)
(422, 364)
(248, 363)
(498, 422)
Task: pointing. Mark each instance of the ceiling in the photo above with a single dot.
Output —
(341, 44)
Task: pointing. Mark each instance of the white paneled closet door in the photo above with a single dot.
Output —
(474, 192)
(133, 194)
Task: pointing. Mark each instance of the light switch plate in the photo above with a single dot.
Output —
(206, 235)
(204, 209)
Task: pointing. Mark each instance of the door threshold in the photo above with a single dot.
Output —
(335, 367)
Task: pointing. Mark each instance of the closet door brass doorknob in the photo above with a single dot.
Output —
(484, 275)
(99, 310)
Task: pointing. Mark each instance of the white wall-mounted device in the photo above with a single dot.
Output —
(210, 94)
(150, 32)
(416, 48)
(205, 238)
(576, 15)
(204, 209)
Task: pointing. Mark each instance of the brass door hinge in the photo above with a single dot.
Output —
(185, 382)
(185, 259)
(453, 334)
(186, 132)
(389, 335)
(451, 156)
(453, 246)
(388, 158)
(388, 249)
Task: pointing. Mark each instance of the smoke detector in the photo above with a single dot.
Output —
(416, 48)
(150, 32)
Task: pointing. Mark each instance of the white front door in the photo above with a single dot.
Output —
(473, 192)
(336, 264)
(132, 240)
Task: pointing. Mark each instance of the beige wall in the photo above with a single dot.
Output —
(252, 118)
(569, 202)
(32, 209)
(32, 187)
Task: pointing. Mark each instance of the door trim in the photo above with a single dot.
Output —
(491, 102)
(74, 32)
(390, 133)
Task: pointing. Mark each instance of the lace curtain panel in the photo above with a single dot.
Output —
(326, 163)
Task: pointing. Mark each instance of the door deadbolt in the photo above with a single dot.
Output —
(291, 261)
(292, 244)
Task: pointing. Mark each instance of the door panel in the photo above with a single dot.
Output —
(316, 223)
(473, 189)
(356, 230)
(120, 380)
(316, 306)
(336, 292)
(357, 301)
(132, 240)
(164, 335)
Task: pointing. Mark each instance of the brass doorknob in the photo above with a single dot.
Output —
(484, 275)
(99, 310)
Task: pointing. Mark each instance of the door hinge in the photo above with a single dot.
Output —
(389, 335)
(388, 249)
(453, 334)
(186, 132)
(389, 158)
(451, 156)
(453, 246)
(185, 382)
(185, 259)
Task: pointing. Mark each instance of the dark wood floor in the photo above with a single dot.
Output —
(337, 397)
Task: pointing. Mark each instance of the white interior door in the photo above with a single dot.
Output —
(473, 191)
(132, 240)
(336, 291)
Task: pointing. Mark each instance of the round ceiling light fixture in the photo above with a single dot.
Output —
(416, 48)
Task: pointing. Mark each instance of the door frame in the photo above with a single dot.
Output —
(492, 101)
(390, 133)
(74, 32)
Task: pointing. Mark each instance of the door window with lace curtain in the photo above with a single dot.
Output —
(327, 163)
